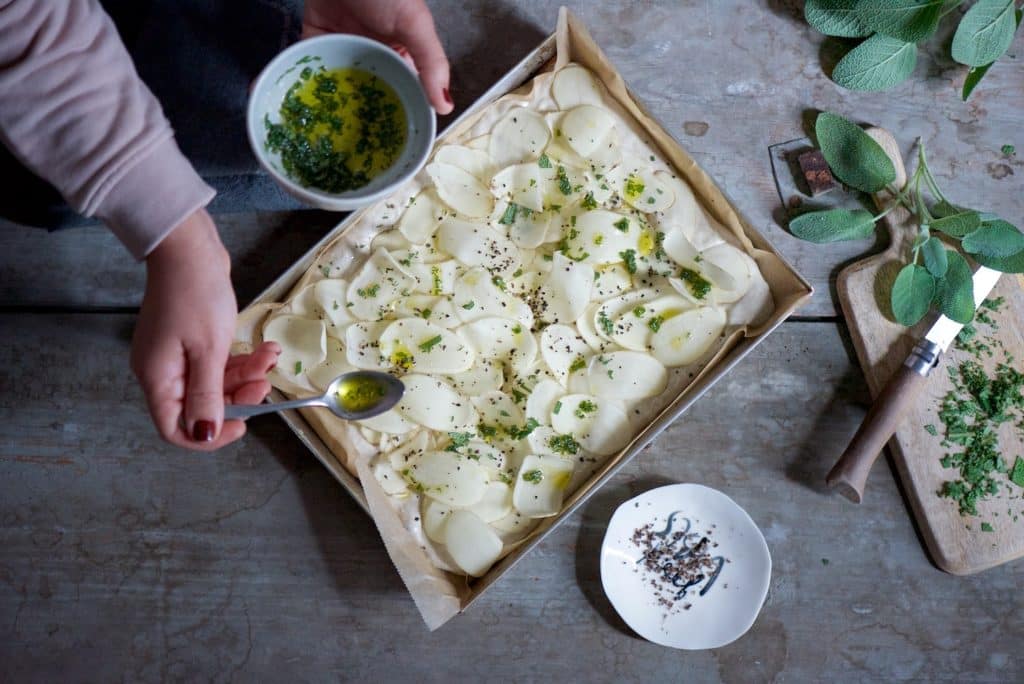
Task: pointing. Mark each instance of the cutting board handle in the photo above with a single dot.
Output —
(850, 473)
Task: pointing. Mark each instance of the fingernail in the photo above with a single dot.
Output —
(447, 96)
(203, 431)
(272, 367)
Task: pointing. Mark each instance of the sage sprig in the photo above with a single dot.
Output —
(934, 275)
(892, 30)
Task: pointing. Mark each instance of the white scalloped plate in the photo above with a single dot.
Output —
(731, 602)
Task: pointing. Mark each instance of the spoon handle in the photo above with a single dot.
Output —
(242, 411)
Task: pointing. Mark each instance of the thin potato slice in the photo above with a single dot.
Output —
(502, 340)
(542, 400)
(334, 364)
(520, 135)
(520, 183)
(634, 327)
(585, 127)
(332, 303)
(585, 325)
(626, 375)
(420, 219)
(573, 86)
(686, 337)
(471, 542)
(448, 477)
(416, 344)
(603, 236)
(390, 422)
(376, 285)
(649, 191)
(739, 267)
(475, 161)
(476, 244)
(563, 351)
(495, 504)
(540, 485)
(434, 404)
(484, 376)
(362, 346)
(566, 291)
(303, 342)
(461, 190)
(435, 517)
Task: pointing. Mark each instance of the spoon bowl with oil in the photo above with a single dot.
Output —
(351, 396)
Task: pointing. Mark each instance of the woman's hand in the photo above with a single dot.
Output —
(183, 336)
(406, 25)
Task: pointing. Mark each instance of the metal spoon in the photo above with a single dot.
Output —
(386, 391)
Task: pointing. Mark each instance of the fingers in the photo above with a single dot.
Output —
(246, 368)
(251, 392)
(415, 29)
(204, 393)
(160, 370)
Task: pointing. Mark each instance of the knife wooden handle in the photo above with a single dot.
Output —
(850, 473)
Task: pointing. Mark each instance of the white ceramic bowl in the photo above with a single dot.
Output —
(335, 51)
(731, 603)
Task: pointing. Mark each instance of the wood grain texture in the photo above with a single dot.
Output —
(122, 558)
(957, 544)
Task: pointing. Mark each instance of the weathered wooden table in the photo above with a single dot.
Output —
(122, 558)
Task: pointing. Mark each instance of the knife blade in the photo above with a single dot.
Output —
(850, 472)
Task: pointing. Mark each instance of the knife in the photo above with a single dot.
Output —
(850, 473)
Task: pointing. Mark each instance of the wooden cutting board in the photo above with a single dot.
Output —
(957, 544)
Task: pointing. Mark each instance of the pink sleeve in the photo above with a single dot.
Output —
(74, 111)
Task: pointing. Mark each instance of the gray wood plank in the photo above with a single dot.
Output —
(123, 558)
(728, 79)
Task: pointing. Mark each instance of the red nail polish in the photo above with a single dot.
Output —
(447, 96)
(203, 431)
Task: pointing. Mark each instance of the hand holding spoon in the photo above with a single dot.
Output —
(352, 396)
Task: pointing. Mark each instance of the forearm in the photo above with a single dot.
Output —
(73, 109)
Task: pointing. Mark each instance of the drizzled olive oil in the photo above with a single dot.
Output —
(360, 394)
(338, 129)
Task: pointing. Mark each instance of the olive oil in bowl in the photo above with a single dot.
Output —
(338, 129)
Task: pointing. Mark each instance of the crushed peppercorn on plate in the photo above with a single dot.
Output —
(548, 286)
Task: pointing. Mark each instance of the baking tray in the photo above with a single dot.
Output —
(524, 71)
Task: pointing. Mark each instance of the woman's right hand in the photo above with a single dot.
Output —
(183, 336)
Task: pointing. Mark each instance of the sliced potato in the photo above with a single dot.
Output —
(686, 337)
(448, 477)
(520, 135)
(416, 344)
(303, 343)
(736, 264)
(539, 441)
(540, 485)
(461, 190)
(634, 327)
(648, 191)
(566, 291)
(564, 351)
(611, 309)
(498, 411)
(331, 295)
(389, 479)
(610, 281)
(603, 236)
(472, 160)
(585, 127)
(495, 504)
(436, 310)
(528, 229)
(362, 347)
(485, 375)
(376, 285)
(435, 279)
(520, 183)
(585, 326)
(410, 451)
(433, 403)
(476, 244)
(501, 339)
(421, 218)
(304, 303)
(541, 400)
(471, 542)
(334, 364)
(626, 375)
(434, 515)
(573, 86)
(390, 422)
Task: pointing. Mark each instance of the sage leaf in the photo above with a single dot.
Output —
(973, 78)
(944, 208)
(854, 157)
(912, 294)
(834, 225)
(995, 239)
(935, 259)
(879, 63)
(955, 291)
(1010, 264)
(975, 74)
(957, 225)
(985, 32)
(908, 20)
(835, 18)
